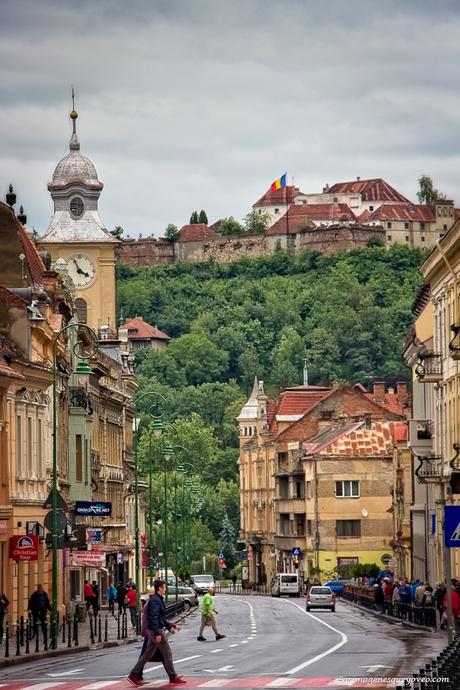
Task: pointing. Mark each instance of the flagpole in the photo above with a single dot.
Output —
(287, 213)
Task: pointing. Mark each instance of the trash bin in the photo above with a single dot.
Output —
(81, 612)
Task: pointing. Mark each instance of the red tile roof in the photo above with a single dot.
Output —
(195, 232)
(5, 370)
(303, 216)
(299, 400)
(370, 190)
(402, 212)
(34, 261)
(139, 329)
(391, 402)
(356, 441)
(285, 195)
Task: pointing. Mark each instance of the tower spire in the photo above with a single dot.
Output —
(74, 143)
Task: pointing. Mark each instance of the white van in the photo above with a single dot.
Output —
(286, 583)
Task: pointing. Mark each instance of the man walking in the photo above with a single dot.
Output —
(111, 595)
(89, 595)
(157, 624)
(208, 616)
(121, 597)
(3, 609)
(39, 604)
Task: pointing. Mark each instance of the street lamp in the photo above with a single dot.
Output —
(168, 453)
(89, 347)
(157, 428)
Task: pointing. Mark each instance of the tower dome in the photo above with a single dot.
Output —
(74, 166)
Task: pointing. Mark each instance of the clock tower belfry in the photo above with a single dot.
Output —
(77, 235)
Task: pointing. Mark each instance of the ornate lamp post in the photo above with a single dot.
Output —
(157, 430)
(89, 347)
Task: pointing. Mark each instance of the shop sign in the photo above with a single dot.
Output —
(89, 559)
(93, 536)
(3, 531)
(99, 508)
(24, 547)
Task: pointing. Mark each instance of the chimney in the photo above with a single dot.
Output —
(305, 373)
(401, 391)
(379, 391)
(358, 179)
(326, 189)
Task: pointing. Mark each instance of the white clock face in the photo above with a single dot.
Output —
(82, 270)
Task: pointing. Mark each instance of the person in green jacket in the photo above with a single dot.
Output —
(208, 616)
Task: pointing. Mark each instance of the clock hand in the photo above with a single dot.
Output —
(80, 270)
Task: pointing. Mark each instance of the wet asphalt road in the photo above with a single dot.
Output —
(265, 637)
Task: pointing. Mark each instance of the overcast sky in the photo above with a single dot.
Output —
(191, 104)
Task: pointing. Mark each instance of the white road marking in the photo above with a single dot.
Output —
(281, 682)
(373, 668)
(176, 661)
(243, 642)
(44, 686)
(214, 651)
(215, 683)
(100, 684)
(233, 645)
(343, 641)
(66, 673)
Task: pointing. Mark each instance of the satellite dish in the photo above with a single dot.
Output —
(365, 512)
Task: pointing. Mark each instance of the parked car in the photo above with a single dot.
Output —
(320, 597)
(185, 594)
(285, 583)
(201, 583)
(337, 585)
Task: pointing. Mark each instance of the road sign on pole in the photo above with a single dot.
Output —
(221, 555)
(452, 526)
(296, 551)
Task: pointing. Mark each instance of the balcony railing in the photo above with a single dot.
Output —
(430, 468)
(429, 367)
(420, 436)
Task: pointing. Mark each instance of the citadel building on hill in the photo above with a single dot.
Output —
(347, 215)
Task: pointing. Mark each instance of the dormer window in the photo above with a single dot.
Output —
(77, 207)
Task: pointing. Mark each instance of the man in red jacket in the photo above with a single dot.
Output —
(455, 599)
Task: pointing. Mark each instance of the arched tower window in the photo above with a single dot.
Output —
(81, 309)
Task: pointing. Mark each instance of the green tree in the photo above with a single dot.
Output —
(227, 537)
(427, 193)
(203, 218)
(171, 232)
(194, 218)
(288, 358)
(230, 226)
(117, 232)
(256, 223)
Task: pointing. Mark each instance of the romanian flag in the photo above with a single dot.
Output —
(278, 184)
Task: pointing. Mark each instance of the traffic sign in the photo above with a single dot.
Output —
(296, 551)
(452, 526)
(221, 555)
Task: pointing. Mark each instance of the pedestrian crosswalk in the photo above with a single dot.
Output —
(246, 683)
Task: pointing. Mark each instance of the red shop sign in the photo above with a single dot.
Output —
(24, 547)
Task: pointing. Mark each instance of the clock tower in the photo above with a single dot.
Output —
(77, 235)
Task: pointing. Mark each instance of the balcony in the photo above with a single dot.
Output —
(429, 367)
(290, 505)
(287, 543)
(430, 468)
(420, 436)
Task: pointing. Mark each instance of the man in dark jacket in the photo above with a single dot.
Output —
(121, 596)
(39, 604)
(157, 623)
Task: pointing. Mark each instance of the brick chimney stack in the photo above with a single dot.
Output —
(379, 391)
(401, 391)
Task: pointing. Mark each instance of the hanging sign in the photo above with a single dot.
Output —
(93, 536)
(99, 508)
(24, 547)
(90, 559)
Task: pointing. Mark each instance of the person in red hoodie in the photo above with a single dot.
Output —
(89, 595)
(131, 596)
(455, 598)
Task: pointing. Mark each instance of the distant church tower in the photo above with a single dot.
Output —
(77, 235)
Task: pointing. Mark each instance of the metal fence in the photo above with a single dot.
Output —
(29, 636)
(413, 613)
(442, 673)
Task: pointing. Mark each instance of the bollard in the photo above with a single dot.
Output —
(125, 625)
(75, 632)
(37, 649)
(91, 629)
(21, 631)
(28, 636)
(118, 626)
(18, 639)
(106, 629)
(99, 629)
(7, 639)
(63, 629)
(69, 632)
(45, 636)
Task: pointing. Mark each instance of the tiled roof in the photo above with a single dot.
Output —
(370, 190)
(285, 195)
(303, 216)
(354, 440)
(140, 329)
(299, 400)
(10, 225)
(392, 403)
(5, 370)
(403, 212)
(195, 232)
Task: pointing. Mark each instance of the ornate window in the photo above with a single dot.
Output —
(82, 310)
(77, 207)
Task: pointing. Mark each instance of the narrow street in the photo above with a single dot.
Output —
(269, 643)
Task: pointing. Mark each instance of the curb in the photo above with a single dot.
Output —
(389, 619)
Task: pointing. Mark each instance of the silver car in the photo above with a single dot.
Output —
(320, 597)
(185, 594)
